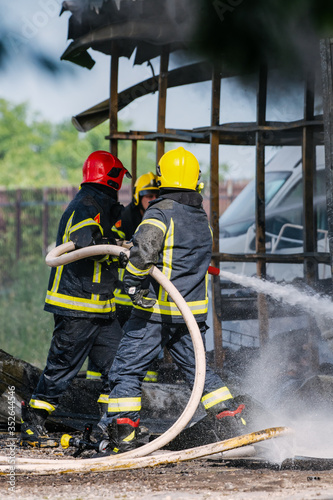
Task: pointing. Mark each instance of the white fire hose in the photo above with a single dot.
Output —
(66, 253)
(58, 257)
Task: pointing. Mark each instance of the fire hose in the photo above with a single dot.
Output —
(59, 256)
(65, 254)
(113, 463)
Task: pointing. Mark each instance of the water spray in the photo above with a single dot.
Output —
(289, 294)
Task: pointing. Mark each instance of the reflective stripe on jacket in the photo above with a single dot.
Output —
(177, 238)
(85, 288)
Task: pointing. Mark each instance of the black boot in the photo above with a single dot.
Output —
(102, 408)
(98, 434)
(220, 423)
(123, 435)
(227, 420)
(33, 432)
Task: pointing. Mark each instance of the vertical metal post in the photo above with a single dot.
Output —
(113, 107)
(309, 168)
(45, 220)
(326, 61)
(162, 95)
(161, 113)
(18, 223)
(260, 202)
(134, 160)
(214, 213)
(327, 83)
(309, 216)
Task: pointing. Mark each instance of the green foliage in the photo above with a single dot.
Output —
(26, 329)
(37, 153)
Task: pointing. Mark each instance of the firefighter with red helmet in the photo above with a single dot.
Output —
(80, 296)
(175, 236)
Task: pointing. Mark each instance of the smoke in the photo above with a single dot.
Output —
(288, 394)
(284, 385)
(277, 33)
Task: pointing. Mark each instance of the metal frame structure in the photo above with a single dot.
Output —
(307, 133)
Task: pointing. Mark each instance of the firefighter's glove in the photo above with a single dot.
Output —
(122, 260)
(137, 295)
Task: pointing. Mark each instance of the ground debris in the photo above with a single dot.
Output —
(194, 480)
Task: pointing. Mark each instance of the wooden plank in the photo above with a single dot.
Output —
(18, 209)
(214, 215)
(287, 137)
(326, 60)
(134, 159)
(294, 258)
(45, 221)
(308, 170)
(113, 110)
(162, 95)
(260, 215)
(309, 215)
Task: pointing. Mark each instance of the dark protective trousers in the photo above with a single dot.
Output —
(73, 340)
(140, 345)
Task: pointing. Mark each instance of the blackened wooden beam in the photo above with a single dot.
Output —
(309, 215)
(231, 135)
(113, 110)
(326, 60)
(260, 215)
(162, 97)
(214, 214)
(308, 169)
(294, 258)
(134, 160)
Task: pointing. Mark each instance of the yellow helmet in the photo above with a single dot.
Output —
(144, 184)
(178, 168)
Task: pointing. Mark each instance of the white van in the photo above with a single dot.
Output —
(284, 212)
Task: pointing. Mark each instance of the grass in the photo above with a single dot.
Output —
(26, 329)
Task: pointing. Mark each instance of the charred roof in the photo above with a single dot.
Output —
(121, 26)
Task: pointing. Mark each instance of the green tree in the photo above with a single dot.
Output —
(37, 153)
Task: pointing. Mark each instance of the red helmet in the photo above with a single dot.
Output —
(102, 167)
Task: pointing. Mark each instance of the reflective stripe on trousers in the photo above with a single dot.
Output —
(141, 344)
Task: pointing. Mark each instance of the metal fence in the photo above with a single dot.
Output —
(29, 219)
(28, 223)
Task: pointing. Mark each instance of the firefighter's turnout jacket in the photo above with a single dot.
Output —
(85, 288)
(124, 229)
(129, 220)
(175, 236)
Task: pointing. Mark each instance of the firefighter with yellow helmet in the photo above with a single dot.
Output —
(145, 190)
(175, 236)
